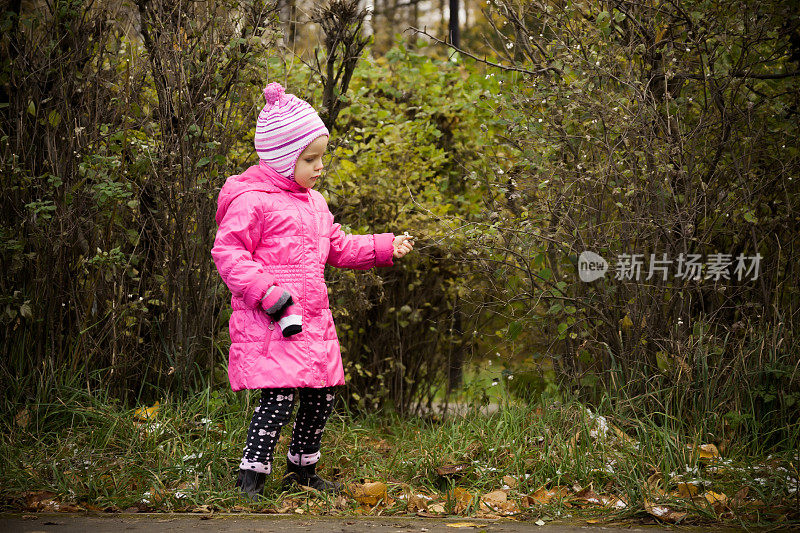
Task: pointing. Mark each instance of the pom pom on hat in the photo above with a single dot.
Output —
(285, 127)
(274, 93)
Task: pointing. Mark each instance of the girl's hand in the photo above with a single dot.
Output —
(402, 245)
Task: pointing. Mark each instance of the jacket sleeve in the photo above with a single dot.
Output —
(237, 238)
(359, 252)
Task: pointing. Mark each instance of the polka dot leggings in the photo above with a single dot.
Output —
(273, 412)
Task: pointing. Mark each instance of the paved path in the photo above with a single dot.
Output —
(238, 523)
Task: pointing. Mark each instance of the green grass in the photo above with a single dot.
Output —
(91, 452)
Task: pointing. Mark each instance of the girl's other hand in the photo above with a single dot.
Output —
(402, 245)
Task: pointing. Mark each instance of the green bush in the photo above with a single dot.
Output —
(110, 140)
(405, 145)
(109, 183)
(652, 131)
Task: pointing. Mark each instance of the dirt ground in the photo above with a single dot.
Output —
(238, 523)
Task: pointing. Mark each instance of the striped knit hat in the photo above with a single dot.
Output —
(285, 127)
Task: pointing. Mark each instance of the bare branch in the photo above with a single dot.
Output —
(537, 72)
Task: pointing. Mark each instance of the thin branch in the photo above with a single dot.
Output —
(484, 61)
(742, 74)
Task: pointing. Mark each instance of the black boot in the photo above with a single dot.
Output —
(251, 483)
(307, 476)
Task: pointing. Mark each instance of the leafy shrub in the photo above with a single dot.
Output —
(107, 229)
(110, 140)
(640, 130)
(406, 141)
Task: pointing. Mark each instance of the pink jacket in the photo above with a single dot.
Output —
(272, 231)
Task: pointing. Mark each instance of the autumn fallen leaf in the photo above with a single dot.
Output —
(543, 496)
(688, 490)
(453, 470)
(462, 498)
(705, 452)
(717, 500)
(663, 512)
(497, 503)
(368, 493)
(147, 413)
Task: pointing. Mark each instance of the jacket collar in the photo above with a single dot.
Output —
(286, 184)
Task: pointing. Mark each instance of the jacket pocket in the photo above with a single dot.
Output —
(271, 327)
(248, 325)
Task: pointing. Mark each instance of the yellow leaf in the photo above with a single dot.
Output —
(369, 493)
(463, 498)
(626, 322)
(462, 524)
(708, 451)
(716, 500)
(705, 452)
(687, 490)
(147, 413)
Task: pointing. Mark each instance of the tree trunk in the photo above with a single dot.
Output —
(453, 33)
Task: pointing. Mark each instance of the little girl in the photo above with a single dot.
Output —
(275, 236)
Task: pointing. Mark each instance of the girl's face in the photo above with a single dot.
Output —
(309, 163)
